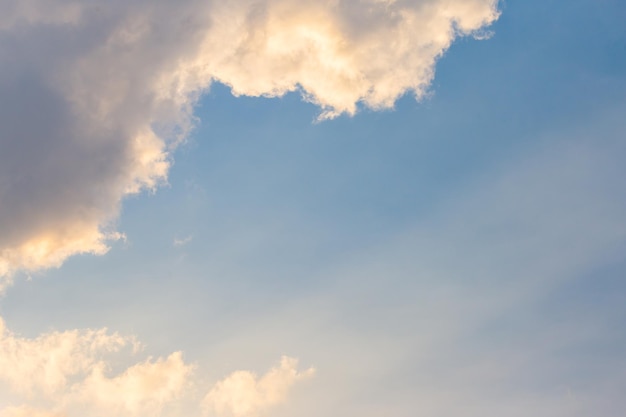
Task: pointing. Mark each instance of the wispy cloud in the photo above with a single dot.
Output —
(178, 242)
(483, 306)
(94, 97)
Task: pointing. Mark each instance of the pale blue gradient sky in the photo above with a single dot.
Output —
(460, 256)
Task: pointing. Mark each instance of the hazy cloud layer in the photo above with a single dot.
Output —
(25, 411)
(502, 301)
(94, 96)
(77, 373)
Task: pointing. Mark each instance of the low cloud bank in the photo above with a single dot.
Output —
(71, 374)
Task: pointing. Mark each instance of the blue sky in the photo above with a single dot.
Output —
(458, 255)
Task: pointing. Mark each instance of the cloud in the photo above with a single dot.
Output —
(339, 53)
(86, 372)
(178, 242)
(95, 96)
(25, 411)
(144, 388)
(45, 364)
(244, 394)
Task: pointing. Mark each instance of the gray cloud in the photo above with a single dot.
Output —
(94, 97)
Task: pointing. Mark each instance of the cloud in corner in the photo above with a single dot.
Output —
(77, 372)
(95, 96)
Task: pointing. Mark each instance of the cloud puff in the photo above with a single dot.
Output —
(143, 388)
(45, 364)
(244, 394)
(94, 96)
(178, 242)
(71, 374)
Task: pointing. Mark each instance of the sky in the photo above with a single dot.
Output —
(281, 208)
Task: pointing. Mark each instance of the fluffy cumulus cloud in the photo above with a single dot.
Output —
(244, 394)
(144, 388)
(94, 96)
(85, 373)
(45, 363)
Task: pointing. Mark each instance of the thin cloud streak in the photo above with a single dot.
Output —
(178, 242)
(476, 309)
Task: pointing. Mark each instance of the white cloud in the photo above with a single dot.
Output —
(82, 373)
(94, 96)
(144, 388)
(244, 394)
(340, 53)
(44, 364)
